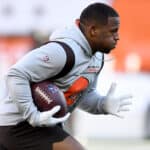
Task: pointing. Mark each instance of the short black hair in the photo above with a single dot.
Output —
(97, 12)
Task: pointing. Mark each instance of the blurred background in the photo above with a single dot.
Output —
(25, 24)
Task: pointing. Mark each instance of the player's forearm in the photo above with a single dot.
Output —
(20, 94)
(92, 102)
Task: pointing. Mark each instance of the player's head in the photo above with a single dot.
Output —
(100, 23)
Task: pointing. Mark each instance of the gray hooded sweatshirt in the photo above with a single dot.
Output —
(45, 62)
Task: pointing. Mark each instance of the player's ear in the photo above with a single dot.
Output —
(92, 30)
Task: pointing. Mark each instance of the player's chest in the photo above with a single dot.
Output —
(92, 68)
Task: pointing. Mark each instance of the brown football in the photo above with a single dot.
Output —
(46, 95)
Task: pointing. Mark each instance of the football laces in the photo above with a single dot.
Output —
(43, 95)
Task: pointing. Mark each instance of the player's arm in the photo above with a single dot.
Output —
(37, 65)
(93, 102)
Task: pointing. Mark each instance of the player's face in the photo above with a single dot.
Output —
(106, 37)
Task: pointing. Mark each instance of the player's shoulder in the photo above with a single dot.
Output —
(52, 52)
(52, 48)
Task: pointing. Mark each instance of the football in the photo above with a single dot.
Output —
(46, 95)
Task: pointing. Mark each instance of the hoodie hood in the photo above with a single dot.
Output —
(73, 32)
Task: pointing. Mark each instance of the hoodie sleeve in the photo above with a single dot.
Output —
(41, 63)
(37, 65)
(91, 100)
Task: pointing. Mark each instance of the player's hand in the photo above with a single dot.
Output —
(47, 118)
(115, 105)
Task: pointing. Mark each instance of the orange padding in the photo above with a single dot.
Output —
(78, 86)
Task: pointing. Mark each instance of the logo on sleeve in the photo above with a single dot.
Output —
(45, 58)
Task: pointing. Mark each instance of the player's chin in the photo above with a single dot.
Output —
(108, 50)
(111, 48)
